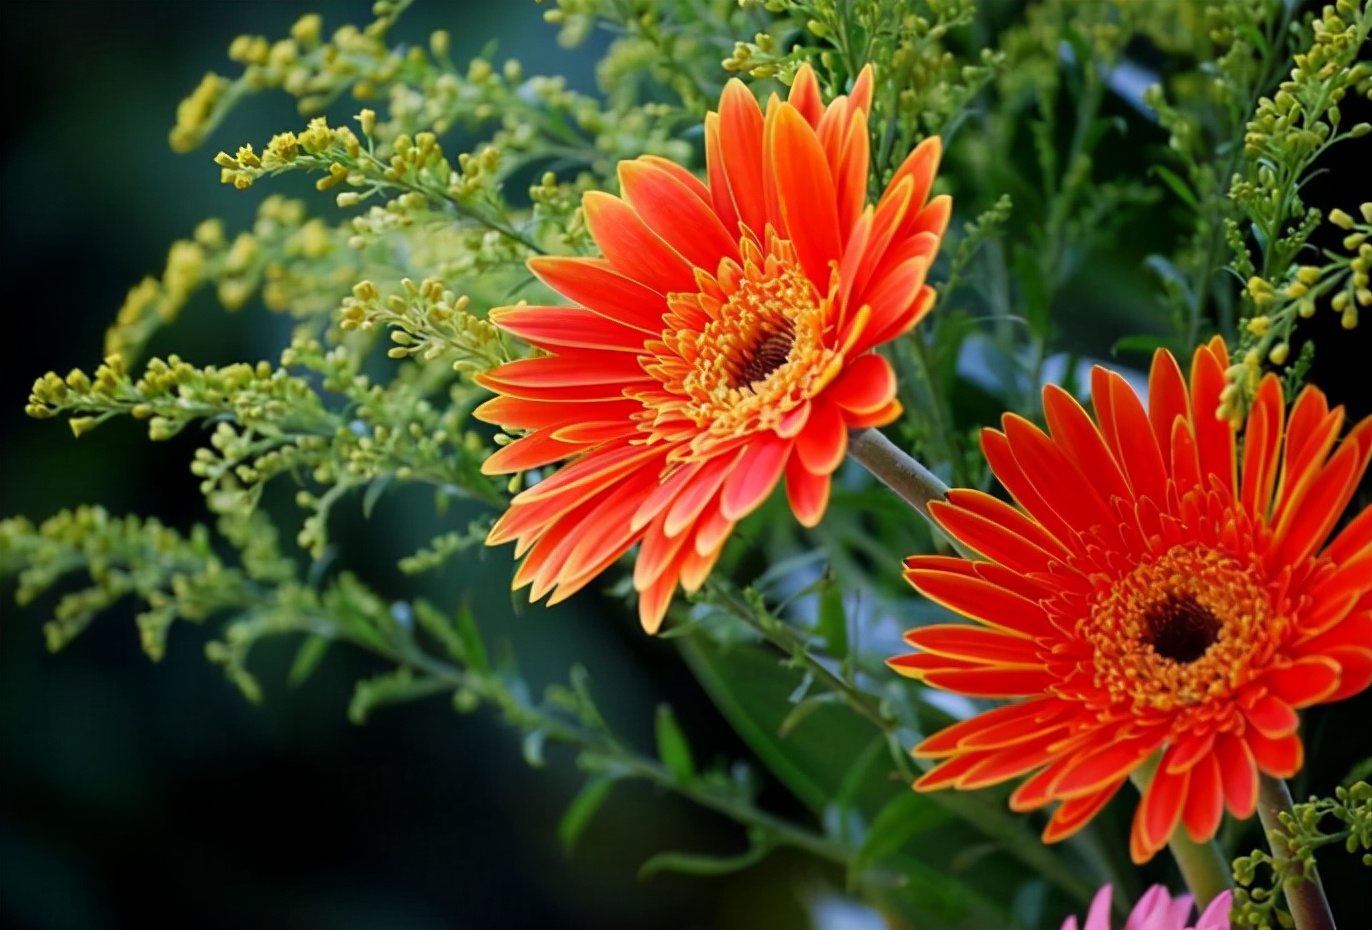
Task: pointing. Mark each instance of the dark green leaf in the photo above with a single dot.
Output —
(692, 864)
(473, 651)
(907, 816)
(1034, 291)
(1179, 187)
(672, 747)
(306, 658)
(374, 492)
(833, 621)
(583, 807)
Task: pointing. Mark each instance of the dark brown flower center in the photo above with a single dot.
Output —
(770, 353)
(1180, 629)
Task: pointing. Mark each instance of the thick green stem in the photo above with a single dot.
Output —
(1202, 865)
(1304, 893)
(915, 484)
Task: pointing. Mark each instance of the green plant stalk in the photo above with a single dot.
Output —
(916, 485)
(1203, 866)
(1304, 892)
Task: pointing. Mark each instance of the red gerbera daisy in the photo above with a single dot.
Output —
(724, 340)
(1153, 594)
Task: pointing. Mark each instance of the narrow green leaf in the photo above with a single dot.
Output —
(473, 651)
(583, 807)
(1179, 187)
(692, 864)
(1034, 291)
(908, 815)
(804, 709)
(306, 659)
(672, 747)
(377, 488)
(833, 621)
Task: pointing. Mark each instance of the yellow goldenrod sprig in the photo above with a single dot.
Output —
(1342, 282)
(427, 322)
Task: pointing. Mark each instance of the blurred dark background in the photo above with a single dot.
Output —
(132, 792)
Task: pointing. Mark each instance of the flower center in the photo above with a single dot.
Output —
(1180, 629)
(767, 356)
(1187, 626)
(737, 356)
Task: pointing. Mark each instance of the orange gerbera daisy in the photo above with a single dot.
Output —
(724, 340)
(1153, 594)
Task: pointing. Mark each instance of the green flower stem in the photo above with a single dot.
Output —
(1204, 867)
(1304, 892)
(915, 484)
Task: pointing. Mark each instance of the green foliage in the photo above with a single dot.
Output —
(1261, 874)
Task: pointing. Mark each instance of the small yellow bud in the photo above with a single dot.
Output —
(1307, 274)
(1340, 219)
(1306, 308)
(1364, 297)
(349, 199)
(1340, 301)
(1366, 211)
(1258, 326)
(1279, 353)
(1352, 241)
(439, 43)
(1349, 319)
(1359, 130)
(82, 425)
(306, 29)
(1296, 289)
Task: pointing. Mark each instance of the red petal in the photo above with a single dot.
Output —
(697, 494)
(593, 283)
(823, 442)
(1158, 813)
(995, 682)
(1080, 440)
(1261, 447)
(1304, 682)
(1057, 478)
(1238, 774)
(868, 383)
(1279, 757)
(1090, 771)
(633, 249)
(1002, 726)
(571, 327)
(805, 96)
(757, 474)
(1167, 402)
(1273, 717)
(807, 492)
(1204, 800)
(555, 371)
(981, 600)
(1076, 813)
(975, 644)
(740, 137)
(1214, 437)
(671, 209)
(805, 193)
(1313, 509)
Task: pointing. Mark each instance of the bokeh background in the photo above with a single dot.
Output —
(132, 792)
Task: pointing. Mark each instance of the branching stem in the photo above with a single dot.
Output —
(1304, 892)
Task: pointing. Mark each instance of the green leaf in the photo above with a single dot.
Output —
(804, 709)
(378, 486)
(1145, 342)
(583, 807)
(473, 651)
(1034, 290)
(1179, 187)
(672, 747)
(306, 659)
(833, 621)
(692, 864)
(398, 687)
(900, 821)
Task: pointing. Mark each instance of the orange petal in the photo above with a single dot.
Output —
(685, 222)
(1204, 806)
(807, 492)
(1091, 771)
(1168, 402)
(1034, 719)
(975, 644)
(990, 538)
(532, 451)
(805, 95)
(1214, 437)
(995, 682)
(594, 283)
(1157, 815)
(1279, 757)
(740, 133)
(868, 383)
(1072, 815)
(980, 600)
(1261, 447)
(1077, 435)
(1238, 773)
(805, 193)
(571, 327)
(753, 479)
(633, 249)
(1306, 681)
(823, 442)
